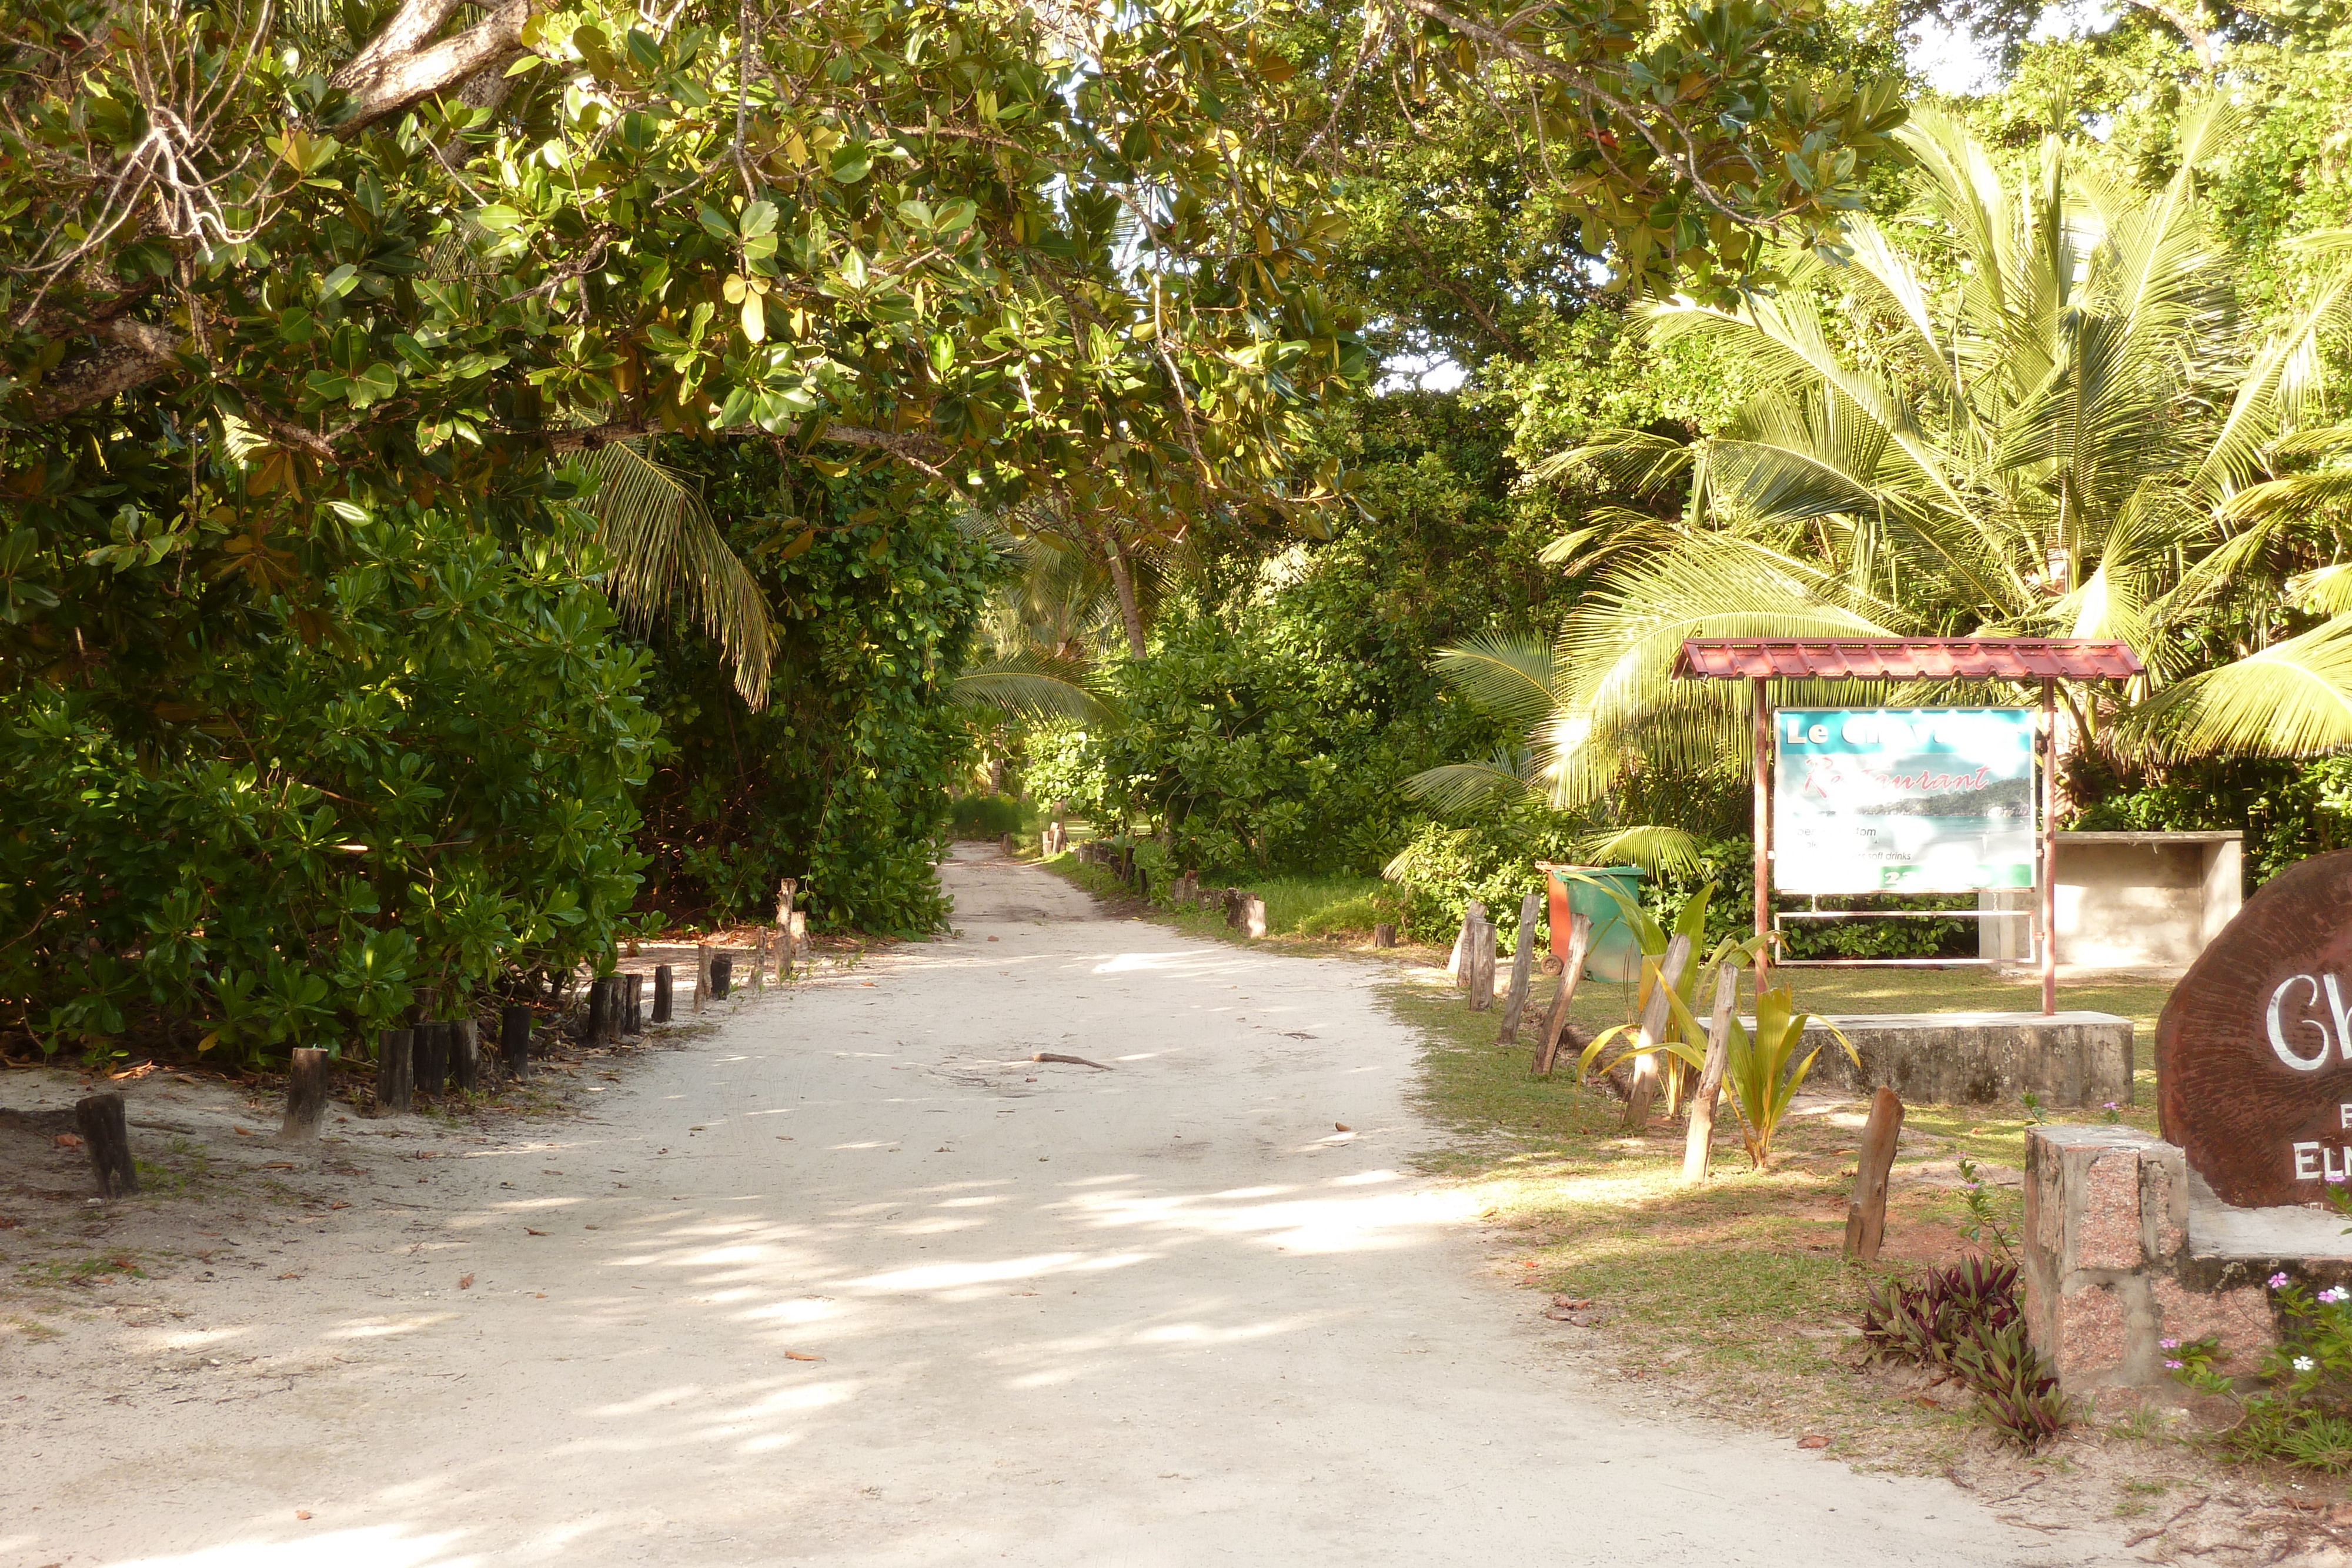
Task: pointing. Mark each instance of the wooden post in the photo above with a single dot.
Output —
(701, 973)
(1655, 1018)
(663, 981)
(1253, 915)
(1457, 967)
(2049, 847)
(722, 975)
(633, 1003)
(1865, 1215)
(466, 1054)
(760, 960)
(1763, 831)
(514, 1040)
(308, 1081)
(1571, 970)
(430, 1061)
(395, 1071)
(1385, 935)
(796, 939)
(106, 1133)
(1482, 966)
(1522, 971)
(786, 891)
(1698, 1143)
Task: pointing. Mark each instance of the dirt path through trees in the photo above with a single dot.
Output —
(853, 1281)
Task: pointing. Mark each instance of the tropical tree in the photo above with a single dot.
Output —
(2046, 420)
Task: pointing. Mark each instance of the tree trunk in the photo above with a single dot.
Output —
(106, 1135)
(1125, 582)
(1865, 1215)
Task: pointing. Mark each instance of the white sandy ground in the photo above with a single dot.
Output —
(1163, 1314)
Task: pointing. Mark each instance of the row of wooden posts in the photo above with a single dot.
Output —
(439, 1054)
(1243, 911)
(1472, 969)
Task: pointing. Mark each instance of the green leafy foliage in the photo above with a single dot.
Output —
(424, 784)
(842, 779)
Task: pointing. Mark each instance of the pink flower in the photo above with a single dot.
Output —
(2173, 1365)
(2168, 1343)
(2278, 1282)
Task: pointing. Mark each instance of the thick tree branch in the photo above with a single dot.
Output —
(382, 82)
(130, 353)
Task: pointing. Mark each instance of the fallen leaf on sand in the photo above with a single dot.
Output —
(68, 1139)
(1813, 1440)
(527, 1231)
(801, 1356)
(243, 1132)
(538, 1295)
(868, 984)
(301, 1514)
(278, 1166)
(465, 1281)
(1341, 1127)
(1572, 1302)
(289, 1276)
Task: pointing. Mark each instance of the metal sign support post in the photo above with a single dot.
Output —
(1763, 834)
(2049, 889)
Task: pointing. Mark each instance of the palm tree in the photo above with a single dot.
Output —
(2050, 423)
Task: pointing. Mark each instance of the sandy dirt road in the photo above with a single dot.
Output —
(1164, 1314)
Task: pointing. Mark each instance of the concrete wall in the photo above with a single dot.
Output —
(2127, 900)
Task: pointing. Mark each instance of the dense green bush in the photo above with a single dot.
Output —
(422, 779)
(987, 816)
(842, 782)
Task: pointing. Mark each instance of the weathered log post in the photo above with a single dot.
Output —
(1656, 1018)
(786, 891)
(722, 975)
(431, 1060)
(1457, 967)
(701, 973)
(760, 960)
(1253, 915)
(633, 1008)
(466, 1054)
(106, 1133)
(1698, 1143)
(1571, 971)
(663, 980)
(1515, 1006)
(308, 1078)
(1482, 967)
(395, 1071)
(514, 1040)
(1384, 935)
(1866, 1214)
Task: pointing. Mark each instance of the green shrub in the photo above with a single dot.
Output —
(2302, 1414)
(986, 816)
(426, 780)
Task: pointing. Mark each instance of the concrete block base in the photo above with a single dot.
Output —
(1981, 1058)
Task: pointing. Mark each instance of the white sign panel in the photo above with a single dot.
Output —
(1902, 800)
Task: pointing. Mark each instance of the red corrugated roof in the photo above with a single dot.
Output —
(1905, 658)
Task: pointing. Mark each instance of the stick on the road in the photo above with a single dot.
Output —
(1073, 1061)
(106, 1133)
(1698, 1143)
(1580, 944)
(1522, 971)
(1865, 1215)
(1653, 1029)
(395, 1071)
(307, 1083)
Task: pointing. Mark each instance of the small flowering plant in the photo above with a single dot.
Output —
(2303, 1412)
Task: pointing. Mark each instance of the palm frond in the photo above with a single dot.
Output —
(1029, 686)
(667, 552)
(1662, 850)
(2292, 699)
(1511, 677)
(1460, 788)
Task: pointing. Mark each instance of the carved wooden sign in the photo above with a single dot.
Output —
(2253, 1054)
